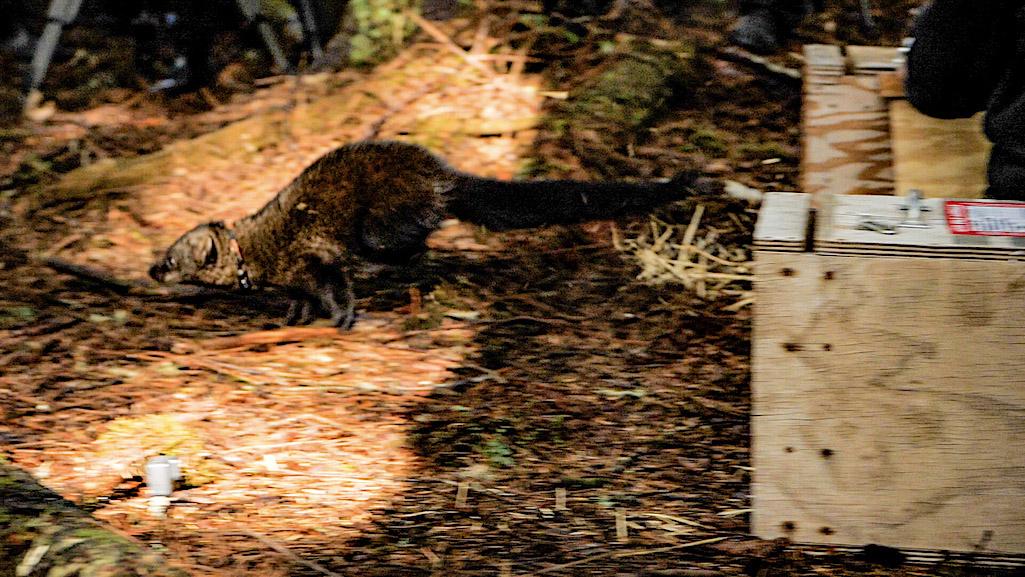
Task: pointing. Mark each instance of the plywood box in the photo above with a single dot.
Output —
(942, 158)
(844, 127)
(888, 380)
(859, 135)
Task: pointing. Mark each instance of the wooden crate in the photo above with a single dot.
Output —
(942, 158)
(861, 137)
(844, 127)
(888, 381)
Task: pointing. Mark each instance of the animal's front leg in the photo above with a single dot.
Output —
(321, 278)
(337, 298)
(300, 311)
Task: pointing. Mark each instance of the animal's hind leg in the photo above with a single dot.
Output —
(398, 235)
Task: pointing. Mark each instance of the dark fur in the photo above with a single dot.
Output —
(376, 202)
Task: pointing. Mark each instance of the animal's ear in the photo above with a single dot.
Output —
(211, 252)
(201, 244)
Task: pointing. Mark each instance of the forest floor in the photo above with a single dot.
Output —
(518, 404)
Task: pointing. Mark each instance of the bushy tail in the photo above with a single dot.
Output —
(503, 205)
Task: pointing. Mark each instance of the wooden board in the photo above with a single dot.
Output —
(889, 401)
(819, 57)
(872, 59)
(838, 231)
(844, 128)
(846, 138)
(855, 142)
(785, 229)
(783, 225)
(891, 85)
(942, 158)
(888, 388)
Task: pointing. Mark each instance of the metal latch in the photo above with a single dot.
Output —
(867, 223)
(913, 209)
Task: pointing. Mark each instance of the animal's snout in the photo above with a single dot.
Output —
(157, 272)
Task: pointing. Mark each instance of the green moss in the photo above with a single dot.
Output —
(635, 88)
(584, 482)
(96, 536)
(11, 317)
(498, 452)
(708, 141)
(381, 28)
(430, 317)
(556, 126)
(451, 296)
(542, 167)
(763, 150)
(533, 20)
(614, 108)
(285, 21)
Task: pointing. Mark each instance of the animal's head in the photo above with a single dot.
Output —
(201, 256)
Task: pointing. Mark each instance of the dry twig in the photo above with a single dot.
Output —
(447, 42)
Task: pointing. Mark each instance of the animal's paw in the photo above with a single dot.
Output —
(300, 312)
(345, 322)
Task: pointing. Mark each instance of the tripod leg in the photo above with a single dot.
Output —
(60, 14)
(251, 10)
(867, 22)
(310, 29)
(269, 38)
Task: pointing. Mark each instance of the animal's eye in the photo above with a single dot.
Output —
(171, 263)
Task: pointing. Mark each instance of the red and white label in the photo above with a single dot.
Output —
(985, 218)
